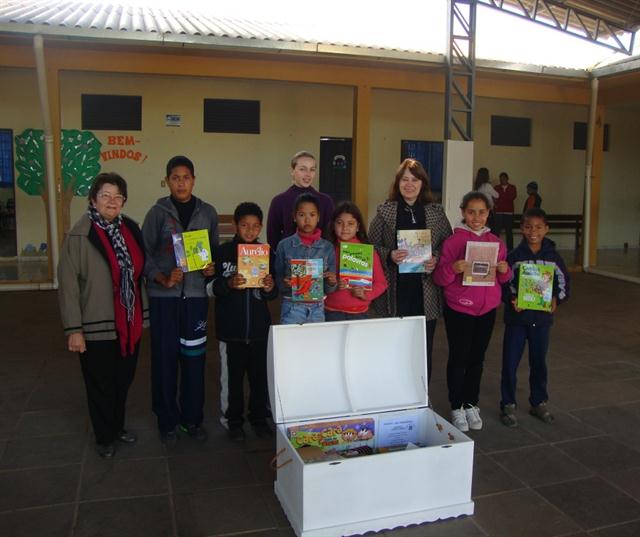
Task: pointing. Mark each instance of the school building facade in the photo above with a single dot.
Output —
(374, 100)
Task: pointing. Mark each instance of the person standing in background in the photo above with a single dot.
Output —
(482, 184)
(503, 209)
(534, 200)
(280, 222)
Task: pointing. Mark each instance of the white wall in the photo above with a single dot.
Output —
(230, 168)
(234, 167)
(620, 190)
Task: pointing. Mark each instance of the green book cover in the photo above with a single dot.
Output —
(356, 264)
(535, 286)
(192, 249)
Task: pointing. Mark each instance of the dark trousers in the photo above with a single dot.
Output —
(178, 348)
(250, 359)
(504, 221)
(515, 337)
(410, 302)
(468, 338)
(107, 378)
(344, 316)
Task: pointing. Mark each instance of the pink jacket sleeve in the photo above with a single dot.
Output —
(379, 279)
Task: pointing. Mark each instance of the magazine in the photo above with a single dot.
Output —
(307, 283)
(192, 249)
(535, 286)
(355, 266)
(418, 243)
(481, 258)
(253, 263)
(334, 435)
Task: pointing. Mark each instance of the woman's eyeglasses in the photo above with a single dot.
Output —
(106, 197)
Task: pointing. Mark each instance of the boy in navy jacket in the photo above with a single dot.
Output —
(242, 328)
(530, 326)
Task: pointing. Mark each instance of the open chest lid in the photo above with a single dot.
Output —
(335, 369)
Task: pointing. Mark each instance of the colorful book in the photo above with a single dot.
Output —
(253, 263)
(335, 435)
(307, 283)
(356, 264)
(192, 249)
(418, 243)
(535, 286)
(481, 258)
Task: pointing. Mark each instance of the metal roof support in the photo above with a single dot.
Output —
(461, 69)
(571, 20)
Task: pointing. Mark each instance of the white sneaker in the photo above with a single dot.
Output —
(459, 419)
(473, 418)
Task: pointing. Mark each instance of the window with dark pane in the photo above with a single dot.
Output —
(6, 157)
(580, 136)
(232, 116)
(512, 131)
(112, 112)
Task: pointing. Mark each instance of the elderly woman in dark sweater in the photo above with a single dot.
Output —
(410, 206)
(101, 303)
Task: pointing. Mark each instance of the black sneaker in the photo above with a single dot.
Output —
(236, 434)
(106, 451)
(198, 432)
(126, 437)
(262, 429)
(169, 438)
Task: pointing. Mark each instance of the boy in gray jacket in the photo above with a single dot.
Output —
(178, 305)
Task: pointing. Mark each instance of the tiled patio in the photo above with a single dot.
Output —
(577, 477)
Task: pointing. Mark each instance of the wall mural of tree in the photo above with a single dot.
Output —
(80, 152)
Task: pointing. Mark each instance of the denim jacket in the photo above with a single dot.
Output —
(293, 248)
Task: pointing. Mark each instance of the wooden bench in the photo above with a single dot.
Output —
(568, 223)
(226, 231)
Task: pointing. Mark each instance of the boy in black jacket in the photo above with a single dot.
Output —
(242, 328)
(530, 325)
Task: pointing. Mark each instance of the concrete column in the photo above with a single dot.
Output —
(458, 176)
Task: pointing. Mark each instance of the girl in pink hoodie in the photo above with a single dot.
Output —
(470, 311)
(347, 225)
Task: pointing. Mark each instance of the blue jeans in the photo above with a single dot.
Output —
(515, 337)
(344, 316)
(301, 312)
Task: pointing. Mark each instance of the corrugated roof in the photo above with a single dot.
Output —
(118, 18)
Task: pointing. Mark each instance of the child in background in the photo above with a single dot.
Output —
(530, 326)
(469, 312)
(306, 243)
(533, 201)
(347, 225)
(242, 328)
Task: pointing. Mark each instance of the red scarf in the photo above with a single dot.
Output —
(128, 333)
(309, 238)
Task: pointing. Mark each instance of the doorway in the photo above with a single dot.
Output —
(431, 156)
(335, 168)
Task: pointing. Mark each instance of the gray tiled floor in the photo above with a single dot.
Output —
(577, 477)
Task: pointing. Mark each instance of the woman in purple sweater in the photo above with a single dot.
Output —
(280, 223)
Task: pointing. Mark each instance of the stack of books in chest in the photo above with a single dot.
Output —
(358, 448)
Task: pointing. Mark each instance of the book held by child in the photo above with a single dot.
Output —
(418, 244)
(307, 280)
(192, 249)
(481, 258)
(253, 263)
(356, 264)
(535, 286)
